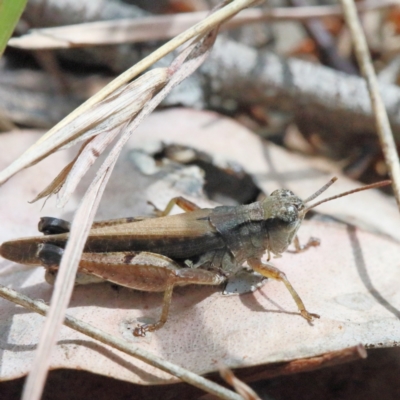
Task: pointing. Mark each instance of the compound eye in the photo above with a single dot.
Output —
(289, 213)
(282, 193)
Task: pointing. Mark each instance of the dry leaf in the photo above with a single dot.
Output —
(270, 166)
(350, 280)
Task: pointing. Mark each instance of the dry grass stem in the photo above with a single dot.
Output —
(244, 390)
(382, 121)
(63, 287)
(122, 345)
(44, 146)
(161, 27)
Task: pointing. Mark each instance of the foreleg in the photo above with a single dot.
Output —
(299, 248)
(269, 271)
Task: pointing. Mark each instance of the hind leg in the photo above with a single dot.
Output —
(144, 271)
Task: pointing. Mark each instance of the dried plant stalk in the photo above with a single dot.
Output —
(382, 121)
(244, 390)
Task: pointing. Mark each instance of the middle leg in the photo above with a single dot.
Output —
(184, 204)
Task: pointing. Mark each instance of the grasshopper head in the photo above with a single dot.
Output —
(284, 215)
(285, 211)
(286, 205)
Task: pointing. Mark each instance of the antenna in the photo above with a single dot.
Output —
(318, 192)
(372, 186)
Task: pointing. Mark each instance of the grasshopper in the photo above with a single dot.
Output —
(200, 246)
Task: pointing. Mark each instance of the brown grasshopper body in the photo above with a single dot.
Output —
(201, 246)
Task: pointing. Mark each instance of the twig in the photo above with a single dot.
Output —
(382, 121)
(326, 44)
(307, 364)
(122, 345)
(160, 27)
(320, 97)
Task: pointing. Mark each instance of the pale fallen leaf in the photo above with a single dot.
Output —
(351, 280)
(271, 166)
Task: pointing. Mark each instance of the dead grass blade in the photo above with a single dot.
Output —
(88, 154)
(47, 143)
(244, 390)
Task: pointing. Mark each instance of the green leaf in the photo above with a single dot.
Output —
(10, 12)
